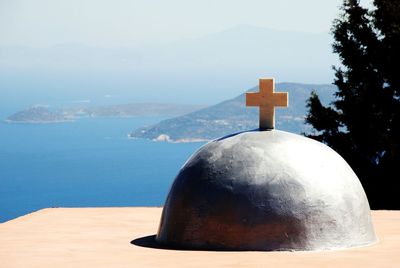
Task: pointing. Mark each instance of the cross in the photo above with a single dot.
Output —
(267, 100)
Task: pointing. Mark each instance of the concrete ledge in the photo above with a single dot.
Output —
(102, 237)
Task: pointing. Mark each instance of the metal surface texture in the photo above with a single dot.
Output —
(266, 190)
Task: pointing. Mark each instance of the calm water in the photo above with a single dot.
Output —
(90, 162)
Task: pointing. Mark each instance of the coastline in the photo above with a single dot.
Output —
(166, 138)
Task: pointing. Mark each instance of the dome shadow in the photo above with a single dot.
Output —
(150, 242)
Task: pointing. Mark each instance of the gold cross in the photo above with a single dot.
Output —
(267, 99)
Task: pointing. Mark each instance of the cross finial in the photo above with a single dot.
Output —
(267, 100)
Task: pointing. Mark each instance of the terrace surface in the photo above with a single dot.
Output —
(118, 237)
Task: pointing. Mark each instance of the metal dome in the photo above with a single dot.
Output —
(266, 190)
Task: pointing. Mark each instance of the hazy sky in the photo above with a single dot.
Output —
(207, 69)
(115, 23)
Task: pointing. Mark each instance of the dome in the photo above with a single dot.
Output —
(266, 190)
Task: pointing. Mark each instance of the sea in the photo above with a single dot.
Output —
(87, 163)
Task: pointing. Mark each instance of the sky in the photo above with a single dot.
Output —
(200, 51)
(121, 23)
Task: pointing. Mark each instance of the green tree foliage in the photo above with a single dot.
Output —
(363, 123)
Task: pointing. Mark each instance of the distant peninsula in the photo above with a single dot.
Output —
(233, 116)
(42, 114)
(38, 115)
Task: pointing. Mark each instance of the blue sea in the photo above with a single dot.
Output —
(87, 163)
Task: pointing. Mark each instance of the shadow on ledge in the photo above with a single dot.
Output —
(150, 242)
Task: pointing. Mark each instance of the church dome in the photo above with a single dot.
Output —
(266, 190)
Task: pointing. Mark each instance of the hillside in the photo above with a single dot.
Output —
(233, 116)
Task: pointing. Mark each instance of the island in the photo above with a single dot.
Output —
(232, 116)
(41, 114)
(38, 115)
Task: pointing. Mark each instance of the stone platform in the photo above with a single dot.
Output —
(122, 237)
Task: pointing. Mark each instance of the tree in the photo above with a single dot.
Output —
(363, 123)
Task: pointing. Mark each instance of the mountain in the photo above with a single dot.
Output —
(205, 69)
(233, 116)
